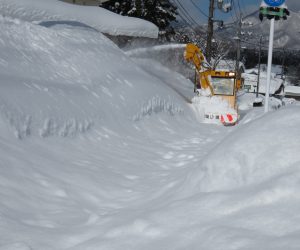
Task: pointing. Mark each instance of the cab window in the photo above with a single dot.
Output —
(223, 86)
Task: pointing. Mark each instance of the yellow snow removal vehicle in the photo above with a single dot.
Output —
(216, 90)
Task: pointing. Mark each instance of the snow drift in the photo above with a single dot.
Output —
(259, 151)
(62, 81)
(109, 154)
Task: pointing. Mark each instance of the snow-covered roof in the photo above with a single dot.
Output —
(292, 90)
(228, 65)
(96, 17)
(250, 79)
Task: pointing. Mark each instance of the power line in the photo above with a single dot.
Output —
(235, 11)
(256, 44)
(186, 14)
(198, 8)
(239, 6)
(265, 46)
(188, 21)
(234, 21)
(244, 6)
(186, 18)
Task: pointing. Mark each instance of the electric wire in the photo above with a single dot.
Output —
(244, 7)
(235, 11)
(186, 18)
(233, 21)
(256, 44)
(189, 23)
(239, 6)
(198, 8)
(189, 18)
(186, 14)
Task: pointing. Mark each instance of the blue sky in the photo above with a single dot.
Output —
(247, 6)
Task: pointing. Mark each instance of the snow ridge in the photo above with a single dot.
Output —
(69, 128)
(157, 105)
(244, 158)
(24, 125)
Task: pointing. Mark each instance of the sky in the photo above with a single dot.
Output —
(198, 9)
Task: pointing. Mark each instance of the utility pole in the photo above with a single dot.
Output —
(258, 72)
(283, 62)
(138, 5)
(258, 102)
(210, 31)
(238, 49)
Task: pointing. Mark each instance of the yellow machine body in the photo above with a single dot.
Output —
(220, 83)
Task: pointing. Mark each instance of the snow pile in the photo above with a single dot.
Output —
(254, 153)
(72, 97)
(55, 12)
(210, 105)
(245, 101)
(75, 78)
(112, 157)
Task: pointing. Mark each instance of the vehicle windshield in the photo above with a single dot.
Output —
(223, 86)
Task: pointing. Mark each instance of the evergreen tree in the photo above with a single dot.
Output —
(160, 12)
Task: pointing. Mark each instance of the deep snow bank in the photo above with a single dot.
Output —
(63, 81)
(98, 18)
(121, 184)
(255, 152)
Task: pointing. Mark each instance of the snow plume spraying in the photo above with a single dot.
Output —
(158, 48)
(252, 154)
(169, 55)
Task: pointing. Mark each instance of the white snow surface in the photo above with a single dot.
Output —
(211, 105)
(102, 151)
(55, 12)
(250, 77)
(292, 90)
